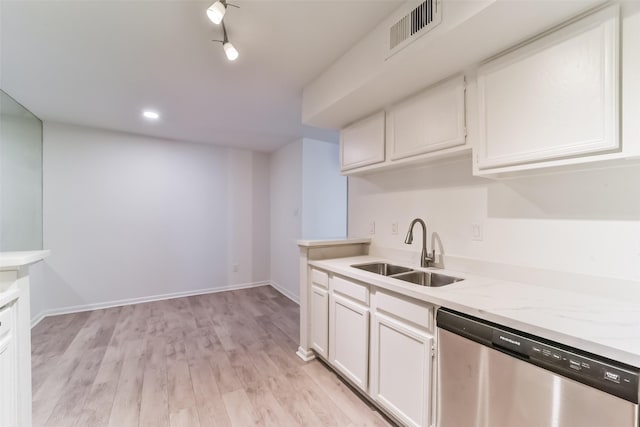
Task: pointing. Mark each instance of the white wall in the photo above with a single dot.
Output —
(129, 217)
(324, 195)
(583, 222)
(286, 222)
(248, 216)
(261, 213)
(20, 177)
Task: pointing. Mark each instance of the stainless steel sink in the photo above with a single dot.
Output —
(424, 278)
(382, 268)
(421, 278)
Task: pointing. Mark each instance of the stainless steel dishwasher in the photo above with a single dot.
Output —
(492, 376)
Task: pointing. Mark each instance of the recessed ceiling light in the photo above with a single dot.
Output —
(151, 115)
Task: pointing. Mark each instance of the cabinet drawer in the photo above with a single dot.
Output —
(319, 278)
(357, 291)
(6, 320)
(414, 311)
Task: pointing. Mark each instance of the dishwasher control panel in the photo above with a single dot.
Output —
(609, 376)
(572, 364)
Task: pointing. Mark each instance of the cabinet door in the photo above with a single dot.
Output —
(8, 368)
(431, 121)
(362, 143)
(349, 339)
(401, 369)
(320, 320)
(554, 98)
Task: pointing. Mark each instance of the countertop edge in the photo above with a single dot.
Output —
(439, 298)
(9, 260)
(332, 242)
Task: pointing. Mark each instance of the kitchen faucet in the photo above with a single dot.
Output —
(425, 257)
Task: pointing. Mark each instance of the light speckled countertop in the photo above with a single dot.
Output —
(607, 327)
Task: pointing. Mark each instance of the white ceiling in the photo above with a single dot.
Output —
(100, 63)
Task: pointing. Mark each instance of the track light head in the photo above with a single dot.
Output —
(216, 11)
(230, 51)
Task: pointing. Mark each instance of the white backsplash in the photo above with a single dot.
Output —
(577, 226)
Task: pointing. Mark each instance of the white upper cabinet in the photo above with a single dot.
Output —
(430, 121)
(555, 99)
(362, 143)
(426, 127)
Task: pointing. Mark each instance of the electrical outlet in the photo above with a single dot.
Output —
(476, 231)
(394, 228)
(372, 227)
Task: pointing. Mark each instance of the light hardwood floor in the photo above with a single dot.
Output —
(224, 359)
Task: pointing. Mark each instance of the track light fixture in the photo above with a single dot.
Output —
(216, 13)
(229, 49)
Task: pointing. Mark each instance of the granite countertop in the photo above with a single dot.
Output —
(606, 327)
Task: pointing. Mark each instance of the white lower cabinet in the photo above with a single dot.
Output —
(378, 340)
(401, 363)
(8, 367)
(349, 339)
(320, 320)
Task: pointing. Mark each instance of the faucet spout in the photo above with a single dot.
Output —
(425, 257)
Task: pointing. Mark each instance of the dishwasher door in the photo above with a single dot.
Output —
(479, 386)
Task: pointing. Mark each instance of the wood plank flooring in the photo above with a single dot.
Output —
(224, 359)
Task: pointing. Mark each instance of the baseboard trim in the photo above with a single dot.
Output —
(285, 292)
(306, 355)
(119, 303)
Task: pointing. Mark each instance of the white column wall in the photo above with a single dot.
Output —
(286, 217)
(324, 194)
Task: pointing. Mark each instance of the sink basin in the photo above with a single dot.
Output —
(424, 278)
(382, 268)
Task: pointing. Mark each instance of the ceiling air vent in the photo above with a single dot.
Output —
(422, 18)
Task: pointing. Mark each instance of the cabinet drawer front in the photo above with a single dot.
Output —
(357, 291)
(416, 312)
(6, 320)
(319, 278)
